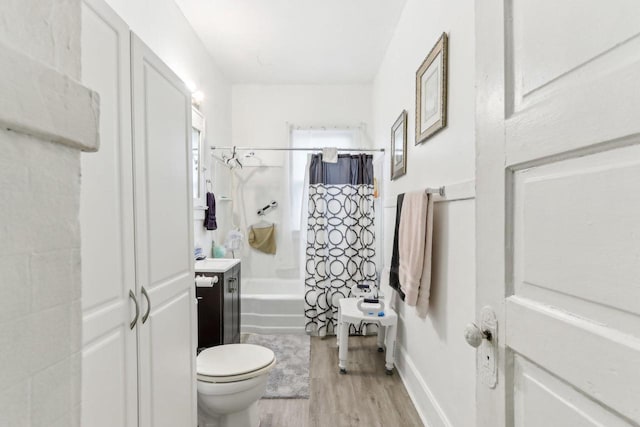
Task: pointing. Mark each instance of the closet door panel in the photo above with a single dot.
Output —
(164, 241)
(109, 360)
(167, 198)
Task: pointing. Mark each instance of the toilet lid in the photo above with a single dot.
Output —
(231, 360)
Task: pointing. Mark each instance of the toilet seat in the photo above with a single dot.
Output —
(234, 362)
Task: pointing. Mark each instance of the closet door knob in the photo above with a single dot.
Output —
(146, 315)
(135, 301)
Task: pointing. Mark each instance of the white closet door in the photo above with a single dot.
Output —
(558, 211)
(109, 361)
(164, 241)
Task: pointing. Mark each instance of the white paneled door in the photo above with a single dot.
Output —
(109, 360)
(558, 211)
(164, 242)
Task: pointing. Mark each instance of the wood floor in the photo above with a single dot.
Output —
(365, 396)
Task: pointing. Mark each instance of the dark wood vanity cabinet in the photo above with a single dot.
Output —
(231, 306)
(219, 309)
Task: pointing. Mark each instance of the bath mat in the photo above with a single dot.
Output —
(289, 379)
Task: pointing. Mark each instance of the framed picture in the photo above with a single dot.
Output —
(399, 146)
(431, 92)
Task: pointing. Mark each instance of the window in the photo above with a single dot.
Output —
(197, 148)
(312, 138)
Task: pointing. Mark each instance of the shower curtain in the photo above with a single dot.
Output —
(341, 243)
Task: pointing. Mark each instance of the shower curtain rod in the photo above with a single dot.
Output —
(381, 150)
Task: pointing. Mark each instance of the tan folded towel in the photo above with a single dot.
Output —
(414, 247)
(263, 239)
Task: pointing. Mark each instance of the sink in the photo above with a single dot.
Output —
(215, 265)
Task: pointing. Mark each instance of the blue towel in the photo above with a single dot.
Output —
(210, 222)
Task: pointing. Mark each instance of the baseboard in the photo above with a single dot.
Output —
(423, 399)
(272, 330)
(272, 324)
(272, 319)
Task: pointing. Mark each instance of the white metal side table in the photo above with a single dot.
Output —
(349, 312)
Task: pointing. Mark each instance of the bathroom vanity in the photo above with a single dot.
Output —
(218, 301)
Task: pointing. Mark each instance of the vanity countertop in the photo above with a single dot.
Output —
(215, 265)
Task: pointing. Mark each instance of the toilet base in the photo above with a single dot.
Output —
(249, 417)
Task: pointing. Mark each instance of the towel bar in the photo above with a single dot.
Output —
(439, 190)
(271, 205)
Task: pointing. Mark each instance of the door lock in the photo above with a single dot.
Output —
(484, 338)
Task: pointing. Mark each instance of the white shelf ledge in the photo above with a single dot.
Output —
(41, 102)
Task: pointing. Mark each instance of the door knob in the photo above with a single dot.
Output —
(485, 339)
(474, 335)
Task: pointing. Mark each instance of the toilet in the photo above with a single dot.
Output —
(231, 380)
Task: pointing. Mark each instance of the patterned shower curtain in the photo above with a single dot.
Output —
(340, 237)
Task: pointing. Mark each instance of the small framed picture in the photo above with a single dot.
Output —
(431, 92)
(399, 146)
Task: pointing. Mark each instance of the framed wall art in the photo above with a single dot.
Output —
(431, 92)
(399, 146)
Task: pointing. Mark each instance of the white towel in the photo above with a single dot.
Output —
(414, 247)
(330, 155)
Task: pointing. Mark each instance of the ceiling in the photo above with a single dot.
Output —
(295, 41)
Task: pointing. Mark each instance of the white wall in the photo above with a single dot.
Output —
(40, 322)
(434, 360)
(163, 27)
(48, 31)
(39, 282)
(261, 116)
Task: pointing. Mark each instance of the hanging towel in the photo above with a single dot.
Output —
(414, 247)
(330, 155)
(263, 239)
(210, 222)
(394, 279)
(425, 283)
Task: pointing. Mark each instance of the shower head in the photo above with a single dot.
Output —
(233, 161)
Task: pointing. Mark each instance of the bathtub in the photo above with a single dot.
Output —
(272, 306)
